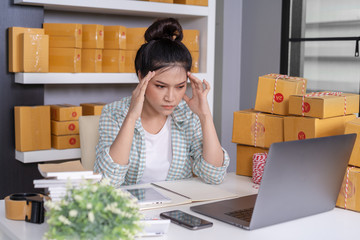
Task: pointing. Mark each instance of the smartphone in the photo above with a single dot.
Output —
(186, 220)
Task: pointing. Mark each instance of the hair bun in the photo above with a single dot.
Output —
(166, 28)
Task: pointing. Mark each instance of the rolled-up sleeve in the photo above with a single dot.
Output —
(104, 164)
(208, 172)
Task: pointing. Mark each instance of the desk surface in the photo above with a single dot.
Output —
(335, 224)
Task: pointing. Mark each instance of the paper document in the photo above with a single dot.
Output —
(196, 190)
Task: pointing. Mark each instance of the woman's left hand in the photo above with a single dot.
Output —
(198, 102)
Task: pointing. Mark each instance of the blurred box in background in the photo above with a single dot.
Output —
(64, 35)
(93, 36)
(114, 37)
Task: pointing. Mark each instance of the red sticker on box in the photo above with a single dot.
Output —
(71, 127)
(99, 57)
(306, 107)
(74, 114)
(301, 135)
(279, 98)
(72, 141)
(79, 31)
(100, 33)
(78, 57)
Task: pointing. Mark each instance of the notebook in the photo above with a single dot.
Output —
(301, 178)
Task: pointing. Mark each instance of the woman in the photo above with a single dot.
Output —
(159, 133)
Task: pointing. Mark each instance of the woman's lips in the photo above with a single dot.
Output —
(168, 107)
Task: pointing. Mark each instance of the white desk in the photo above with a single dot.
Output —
(335, 224)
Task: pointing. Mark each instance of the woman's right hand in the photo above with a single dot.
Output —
(138, 97)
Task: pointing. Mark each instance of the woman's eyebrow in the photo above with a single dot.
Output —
(160, 82)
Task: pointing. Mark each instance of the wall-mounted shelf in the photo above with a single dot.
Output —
(81, 78)
(47, 155)
(124, 7)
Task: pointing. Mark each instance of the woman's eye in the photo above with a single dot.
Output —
(159, 86)
(182, 86)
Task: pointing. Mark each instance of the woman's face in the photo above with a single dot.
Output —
(165, 90)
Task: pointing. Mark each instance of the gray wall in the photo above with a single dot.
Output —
(249, 48)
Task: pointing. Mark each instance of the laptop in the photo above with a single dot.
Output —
(301, 178)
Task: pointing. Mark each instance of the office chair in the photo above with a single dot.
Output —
(89, 136)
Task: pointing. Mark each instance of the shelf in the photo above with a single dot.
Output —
(124, 7)
(81, 78)
(47, 155)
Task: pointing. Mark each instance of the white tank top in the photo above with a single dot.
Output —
(158, 154)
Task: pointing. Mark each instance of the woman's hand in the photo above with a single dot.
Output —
(138, 96)
(198, 102)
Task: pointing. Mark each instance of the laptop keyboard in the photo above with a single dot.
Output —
(243, 214)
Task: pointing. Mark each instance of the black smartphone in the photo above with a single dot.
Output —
(186, 220)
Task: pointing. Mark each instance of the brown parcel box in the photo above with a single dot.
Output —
(192, 2)
(93, 36)
(130, 61)
(274, 90)
(64, 128)
(64, 35)
(324, 104)
(191, 39)
(15, 45)
(257, 129)
(353, 126)
(65, 142)
(32, 128)
(134, 38)
(91, 60)
(65, 112)
(34, 52)
(92, 108)
(352, 191)
(113, 60)
(65, 60)
(297, 128)
(244, 161)
(114, 37)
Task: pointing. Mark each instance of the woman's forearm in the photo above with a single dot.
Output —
(212, 150)
(120, 149)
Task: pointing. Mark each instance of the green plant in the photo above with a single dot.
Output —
(93, 211)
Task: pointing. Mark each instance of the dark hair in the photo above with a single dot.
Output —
(163, 48)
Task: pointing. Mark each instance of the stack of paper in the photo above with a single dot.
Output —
(59, 175)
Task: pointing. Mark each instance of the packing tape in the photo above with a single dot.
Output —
(25, 206)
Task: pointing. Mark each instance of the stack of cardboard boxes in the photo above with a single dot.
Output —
(277, 98)
(28, 50)
(191, 41)
(114, 49)
(65, 43)
(65, 126)
(92, 48)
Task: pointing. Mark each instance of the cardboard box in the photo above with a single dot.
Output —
(353, 126)
(32, 128)
(130, 61)
(244, 161)
(91, 60)
(92, 108)
(93, 36)
(274, 98)
(193, 2)
(15, 53)
(257, 129)
(113, 60)
(65, 142)
(65, 112)
(297, 128)
(64, 128)
(114, 37)
(323, 105)
(34, 52)
(195, 62)
(65, 60)
(191, 39)
(135, 38)
(351, 192)
(64, 35)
